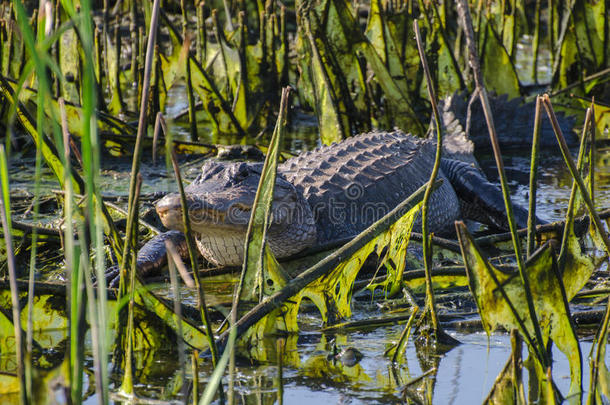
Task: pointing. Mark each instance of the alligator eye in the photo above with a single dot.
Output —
(242, 174)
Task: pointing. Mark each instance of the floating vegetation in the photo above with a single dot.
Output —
(91, 86)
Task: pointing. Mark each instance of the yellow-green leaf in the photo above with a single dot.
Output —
(501, 300)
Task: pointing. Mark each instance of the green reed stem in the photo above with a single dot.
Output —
(592, 153)
(117, 64)
(285, 46)
(404, 336)
(74, 271)
(30, 42)
(105, 19)
(141, 58)
(171, 264)
(569, 221)
(205, 317)
(135, 167)
(191, 102)
(195, 373)
(49, 150)
(280, 343)
(215, 380)
(597, 357)
(201, 35)
(44, 28)
(203, 308)
(536, 42)
(189, 82)
(430, 303)
(95, 212)
(565, 151)
(5, 210)
(131, 234)
(531, 219)
(465, 18)
(33, 251)
(8, 49)
(133, 29)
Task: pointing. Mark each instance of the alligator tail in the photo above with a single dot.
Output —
(480, 200)
(513, 119)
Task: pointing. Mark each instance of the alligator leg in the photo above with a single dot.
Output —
(480, 200)
(152, 257)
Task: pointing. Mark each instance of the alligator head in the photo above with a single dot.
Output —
(220, 201)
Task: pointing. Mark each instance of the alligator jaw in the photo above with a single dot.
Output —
(204, 215)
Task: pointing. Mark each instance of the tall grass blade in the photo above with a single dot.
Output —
(5, 210)
(73, 270)
(592, 153)
(92, 235)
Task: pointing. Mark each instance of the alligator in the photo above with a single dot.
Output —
(465, 132)
(330, 193)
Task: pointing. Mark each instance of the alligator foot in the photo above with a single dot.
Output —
(113, 277)
(152, 257)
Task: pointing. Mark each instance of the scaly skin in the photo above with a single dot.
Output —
(513, 119)
(331, 193)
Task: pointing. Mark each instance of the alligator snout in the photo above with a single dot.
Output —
(202, 213)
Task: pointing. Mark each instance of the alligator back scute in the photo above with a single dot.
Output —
(352, 184)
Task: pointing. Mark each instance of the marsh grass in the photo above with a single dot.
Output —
(6, 226)
(90, 234)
